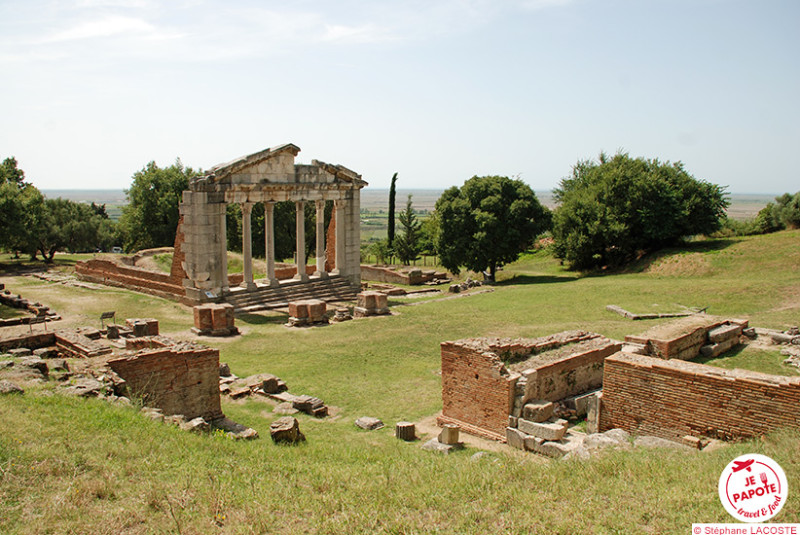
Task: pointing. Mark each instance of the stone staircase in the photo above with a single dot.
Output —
(334, 288)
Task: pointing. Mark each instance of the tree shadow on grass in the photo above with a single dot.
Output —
(261, 319)
(536, 279)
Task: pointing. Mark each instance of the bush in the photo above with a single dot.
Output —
(615, 209)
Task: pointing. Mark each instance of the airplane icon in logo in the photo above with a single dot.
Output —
(742, 465)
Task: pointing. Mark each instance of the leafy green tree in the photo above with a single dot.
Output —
(392, 195)
(150, 218)
(21, 207)
(284, 225)
(787, 210)
(406, 245)
(487, 223)
(66, 225)
(10, 173)
(613, 210)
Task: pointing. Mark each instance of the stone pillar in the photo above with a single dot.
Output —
(320, 272)
(223, 243)
(341, 249)
(269, 233)
(300, 224)
(247, 245)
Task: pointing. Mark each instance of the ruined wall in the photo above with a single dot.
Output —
(687, 345)
(477, 391)
(569, 376)
(31, 341)
(114, 274)
(673, 398)
(178, 380)
(391, 276)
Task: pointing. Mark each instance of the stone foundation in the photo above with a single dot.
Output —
(212, 319)
(307, 312)
(371, 304)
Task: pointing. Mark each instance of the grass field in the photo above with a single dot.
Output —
(77, 466)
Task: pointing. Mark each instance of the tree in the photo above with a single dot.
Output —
(613, 210)
(10, 173)
(486, 223)
(406, 245)
(150, 218)
(392, 194)
(21, 206)
(72, 226)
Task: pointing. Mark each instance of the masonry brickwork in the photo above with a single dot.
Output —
(116, 274)
(672, 399)
(178, 380)
(480, 392)
(477, 390)
(683, 339)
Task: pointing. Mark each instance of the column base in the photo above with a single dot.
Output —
(321, 274)
(248, 285)
(303, 277)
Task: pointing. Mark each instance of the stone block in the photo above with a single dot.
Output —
(515, 438)
(405, 431)
(544, 430)
(7, 387)
(537, 410)
(308, 311)
(371, 304)
(449, 434)
(20, 352)
(286, 430)
(369, 423)
(724, 333)
(435, 445)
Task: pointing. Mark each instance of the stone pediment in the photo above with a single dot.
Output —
(275, 166)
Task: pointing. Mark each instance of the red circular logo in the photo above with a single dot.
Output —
(753, 488)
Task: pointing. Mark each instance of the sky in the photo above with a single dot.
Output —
(437, 91)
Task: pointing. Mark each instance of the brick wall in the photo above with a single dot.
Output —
(113, 274)
(31, 341)
(477, 390)
(176, 380)
(673, 398)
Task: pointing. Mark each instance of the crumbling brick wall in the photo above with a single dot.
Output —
(114, 274)
(178, 380)
(672, 399)
(477, 390)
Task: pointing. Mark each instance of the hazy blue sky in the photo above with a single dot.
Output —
(436, 90)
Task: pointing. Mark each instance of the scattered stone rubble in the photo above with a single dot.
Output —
(446, 442)
(286, 430)
(464, 286)
(369, 423)
(40, 313)
(269, 386)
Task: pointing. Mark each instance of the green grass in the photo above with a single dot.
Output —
(75, 466)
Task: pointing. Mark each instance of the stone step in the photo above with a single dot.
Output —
(266, 298)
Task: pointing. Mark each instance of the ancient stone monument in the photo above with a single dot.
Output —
(266, 177)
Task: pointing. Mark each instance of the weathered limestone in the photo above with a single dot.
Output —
(371, 304)
(267, 177)
(369, 423)
(286, 430)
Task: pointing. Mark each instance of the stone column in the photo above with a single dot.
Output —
(223, 249)
(320, 272)
(300, 225)
(247, 246)
(341, 246)
(269, 233)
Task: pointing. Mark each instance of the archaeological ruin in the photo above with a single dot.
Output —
(199, 271)
(522, 391)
